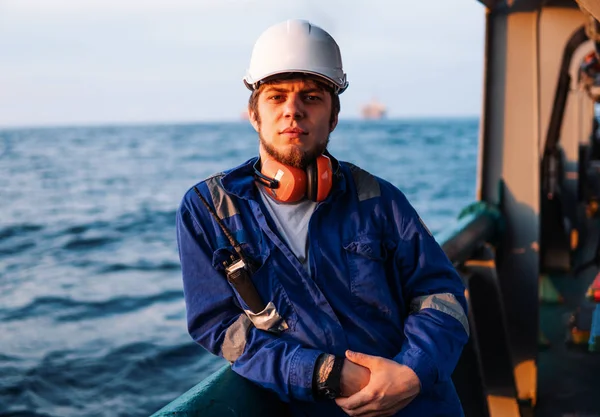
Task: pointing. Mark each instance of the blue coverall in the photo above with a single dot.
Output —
(378, 284)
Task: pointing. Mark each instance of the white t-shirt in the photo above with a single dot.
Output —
(292, 223)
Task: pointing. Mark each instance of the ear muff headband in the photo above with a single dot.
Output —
(312, 178)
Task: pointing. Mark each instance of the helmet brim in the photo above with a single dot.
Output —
(290, 74)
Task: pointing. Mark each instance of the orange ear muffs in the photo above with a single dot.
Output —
(319, 176)
(291, 181)
(288, 184)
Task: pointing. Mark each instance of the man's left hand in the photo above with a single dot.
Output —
(391, 387)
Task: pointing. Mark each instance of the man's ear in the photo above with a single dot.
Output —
(253, 120)
(334, 123)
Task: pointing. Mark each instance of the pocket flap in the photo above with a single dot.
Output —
(222, 255)
(371, 249)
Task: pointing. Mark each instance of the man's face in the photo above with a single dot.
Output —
(293, 121)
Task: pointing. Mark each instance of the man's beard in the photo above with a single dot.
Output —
(296, 157)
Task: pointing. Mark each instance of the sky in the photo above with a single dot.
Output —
(78, 62)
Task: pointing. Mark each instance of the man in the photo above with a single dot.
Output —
(353, 308)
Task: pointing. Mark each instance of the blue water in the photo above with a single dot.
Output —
(92, 319)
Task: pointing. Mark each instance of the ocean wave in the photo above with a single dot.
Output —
(88, 243)
(16, 248)
(19, 230)
(119, 267)
(25, 412)
(140, 370)
(65, 309)
(144, 220)
(82, 228)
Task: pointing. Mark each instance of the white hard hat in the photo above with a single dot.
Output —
(296, 46)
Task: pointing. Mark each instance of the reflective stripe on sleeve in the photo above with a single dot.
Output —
(235, 338)
(446, 303)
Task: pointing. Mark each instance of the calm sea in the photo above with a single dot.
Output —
(92, 318)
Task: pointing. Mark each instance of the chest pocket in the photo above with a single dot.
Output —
(278, 315)
(369, 285)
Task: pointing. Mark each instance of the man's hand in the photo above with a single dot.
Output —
(354, 378)
(391, 387)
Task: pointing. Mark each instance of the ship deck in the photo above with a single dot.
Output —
(568, 374)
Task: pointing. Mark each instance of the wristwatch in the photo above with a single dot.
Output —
(327, 376)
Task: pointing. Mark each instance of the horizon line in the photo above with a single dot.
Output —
(90, 124)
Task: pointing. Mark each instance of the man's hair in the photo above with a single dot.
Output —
(323, 85)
